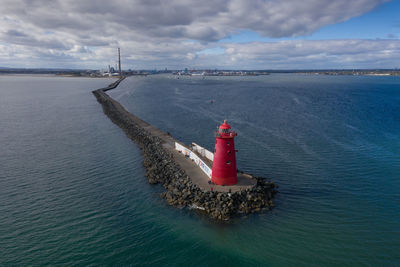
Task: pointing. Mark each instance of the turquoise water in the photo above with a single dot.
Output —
(73, 191)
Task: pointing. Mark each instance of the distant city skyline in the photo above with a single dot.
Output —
(228, 34)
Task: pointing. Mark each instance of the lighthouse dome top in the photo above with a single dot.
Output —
(225, 125)
(224, 131)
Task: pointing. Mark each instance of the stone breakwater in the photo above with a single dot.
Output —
(179, 189)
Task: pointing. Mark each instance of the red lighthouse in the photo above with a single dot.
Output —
(224, 170)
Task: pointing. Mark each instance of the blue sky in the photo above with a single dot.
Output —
(234, 34)
(382, 22)
(379, 23)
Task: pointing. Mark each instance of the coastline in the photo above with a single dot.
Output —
(165, 166)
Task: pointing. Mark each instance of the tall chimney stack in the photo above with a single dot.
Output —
(119, 62)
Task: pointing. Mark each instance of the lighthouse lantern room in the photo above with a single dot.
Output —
(224, 170)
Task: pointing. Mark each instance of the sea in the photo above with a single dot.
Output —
(73, 190)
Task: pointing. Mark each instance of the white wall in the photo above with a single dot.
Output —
(187, 152)
(202, 151)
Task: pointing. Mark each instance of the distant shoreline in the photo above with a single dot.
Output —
(205, 73)
(48, 75)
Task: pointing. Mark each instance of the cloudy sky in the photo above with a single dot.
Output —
(230, 34)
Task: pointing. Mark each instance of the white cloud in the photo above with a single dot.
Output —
(298, 54)
(76, 33)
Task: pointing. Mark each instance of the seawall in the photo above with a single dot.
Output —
(166, 166)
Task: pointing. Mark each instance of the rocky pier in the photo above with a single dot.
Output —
(164, 166)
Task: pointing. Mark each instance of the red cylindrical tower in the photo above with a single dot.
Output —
(224, 170)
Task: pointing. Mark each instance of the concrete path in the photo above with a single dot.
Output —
(197, 176)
